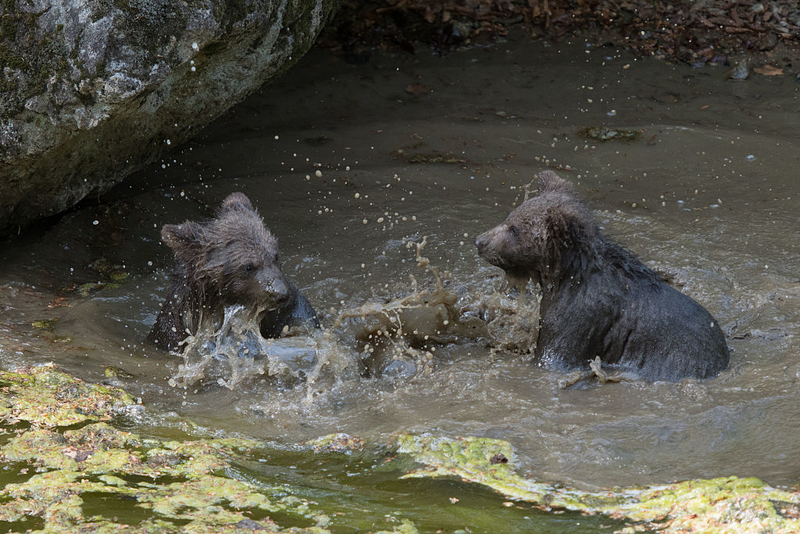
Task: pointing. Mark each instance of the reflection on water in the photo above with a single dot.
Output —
(348, 169)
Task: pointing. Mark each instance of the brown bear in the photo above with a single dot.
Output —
(231, 259)
(598, 299)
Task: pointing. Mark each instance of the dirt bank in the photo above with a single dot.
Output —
(700, 32)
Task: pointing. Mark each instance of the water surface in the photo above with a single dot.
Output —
(350, 163)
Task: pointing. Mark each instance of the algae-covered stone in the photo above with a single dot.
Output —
(338, 442)
(471, 460)
(43, 396)
(727, 504)
(176, 486)
(190, 488)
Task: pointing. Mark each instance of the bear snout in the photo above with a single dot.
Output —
(484, 241)
(274, 286)
(279, 289)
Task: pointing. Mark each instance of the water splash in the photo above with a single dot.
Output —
(235, 351)
(399, 336)
(511, 314)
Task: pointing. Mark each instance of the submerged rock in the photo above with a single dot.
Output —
(602, 133)
(93, 90)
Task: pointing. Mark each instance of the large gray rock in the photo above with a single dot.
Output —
(93, 89)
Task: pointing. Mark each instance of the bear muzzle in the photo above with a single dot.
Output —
(483, 240)
(274, 288)
(487, 244)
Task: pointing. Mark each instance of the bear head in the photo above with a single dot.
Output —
(542, 237)
(232, 258)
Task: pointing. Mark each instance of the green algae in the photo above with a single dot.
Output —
(184, 494)
(727, 504)
(46, 325)
(117, 372)
(210, 499)
(205, 504)
(45, 397)
(176, 485)
(406, 527)
(79, 473)
(114, 276)
(338, 442)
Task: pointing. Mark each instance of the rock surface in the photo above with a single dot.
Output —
(92, 90)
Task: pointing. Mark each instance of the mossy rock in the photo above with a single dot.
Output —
(93, 90)
(728, 504)
(43, 396)
(66, 460)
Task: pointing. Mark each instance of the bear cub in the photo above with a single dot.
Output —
(598, 299)
(231, 259)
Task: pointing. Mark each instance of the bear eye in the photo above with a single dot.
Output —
(250, 267)
(513, 230)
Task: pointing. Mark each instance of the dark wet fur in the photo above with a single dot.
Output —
(598, 299)
(231, 259)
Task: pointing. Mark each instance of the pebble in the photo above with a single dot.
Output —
(741, 71)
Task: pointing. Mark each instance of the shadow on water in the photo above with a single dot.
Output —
(348, 168)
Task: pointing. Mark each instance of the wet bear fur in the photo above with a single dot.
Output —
(598, 299)
(231, 259)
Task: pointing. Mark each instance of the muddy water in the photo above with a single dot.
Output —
(350, 163)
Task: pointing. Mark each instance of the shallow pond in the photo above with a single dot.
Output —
(348, 164)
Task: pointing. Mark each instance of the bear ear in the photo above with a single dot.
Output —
(235, 201)
(569, 223)
(550, 181)
(557, 223)
(182, 238)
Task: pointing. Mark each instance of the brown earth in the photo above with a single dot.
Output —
(700, 32)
